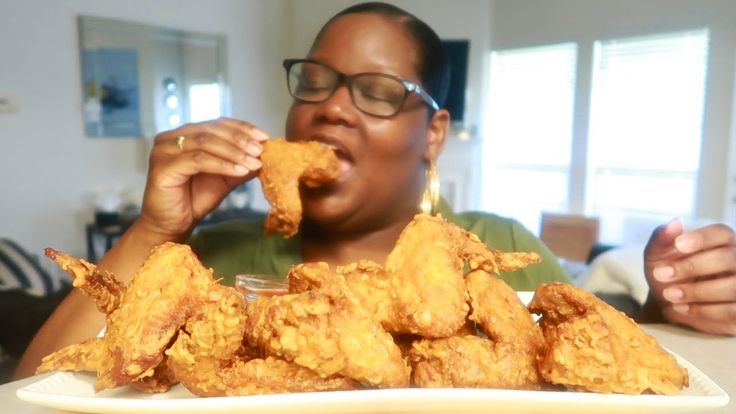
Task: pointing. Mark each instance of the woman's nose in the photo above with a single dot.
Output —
(339, 107)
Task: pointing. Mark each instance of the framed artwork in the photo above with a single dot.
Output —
(111, 92)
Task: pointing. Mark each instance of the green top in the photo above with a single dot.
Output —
(236, 247)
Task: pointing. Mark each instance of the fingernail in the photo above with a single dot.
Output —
(686, 244)
(258, 134)
(242, 140)
(239, 169)
(254, 149)
(253, 163)
(664, 273)
(673, 294)
(681, 307)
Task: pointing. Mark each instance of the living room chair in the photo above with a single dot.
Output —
(570, 237)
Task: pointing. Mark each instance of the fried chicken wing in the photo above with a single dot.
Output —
(372, 285)
(470, 362)
(100, 285)
(161, 380)
(327, 330)
(285, 165)
(209, 358)
(501, 315)
(426, 265)
(270, 375)
(142, 319)
(85, 356)
(88, 355)
(107, 293)
(507, 359)
(162, 295)
(593, 347)
(428, 289)
(480, 256)
(421, 289)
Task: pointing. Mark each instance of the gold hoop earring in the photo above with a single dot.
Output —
(431, 195)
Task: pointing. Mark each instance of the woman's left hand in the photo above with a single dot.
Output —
(693, 275)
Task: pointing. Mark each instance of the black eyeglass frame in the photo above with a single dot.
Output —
(409, 86)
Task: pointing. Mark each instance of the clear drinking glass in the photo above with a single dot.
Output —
(253, 285)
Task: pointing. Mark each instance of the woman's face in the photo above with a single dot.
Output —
(382, 158)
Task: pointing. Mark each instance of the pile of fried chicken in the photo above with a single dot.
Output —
(434, 315)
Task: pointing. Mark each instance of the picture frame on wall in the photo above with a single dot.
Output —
(111, 92)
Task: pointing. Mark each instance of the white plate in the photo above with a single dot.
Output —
(74, 392)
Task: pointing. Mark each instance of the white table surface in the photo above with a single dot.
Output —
(714, 355)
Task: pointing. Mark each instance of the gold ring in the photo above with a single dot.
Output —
(180, 142)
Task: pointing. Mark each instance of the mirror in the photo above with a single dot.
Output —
(139, 80)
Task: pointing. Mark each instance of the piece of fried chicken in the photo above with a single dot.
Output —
(100, 285)
(209, 357)
(592, 346)
(107, 293)
(285, 165)
(421, 289)
(372, 285)
(326, 329)
(167, 289)
(427, 286)
(85, 356)
(506, 359)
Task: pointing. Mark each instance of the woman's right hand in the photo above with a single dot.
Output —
(187, 182)
(183, 186)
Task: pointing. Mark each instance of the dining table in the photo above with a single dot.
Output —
(714, 355)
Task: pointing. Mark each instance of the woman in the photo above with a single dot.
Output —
(386, 131)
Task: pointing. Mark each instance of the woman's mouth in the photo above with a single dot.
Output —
(346, 163)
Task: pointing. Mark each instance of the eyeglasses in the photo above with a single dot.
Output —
(376, 94)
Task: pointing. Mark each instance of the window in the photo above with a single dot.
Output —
(641, 153)
(204, 102)
(645, 131)
(529, 132)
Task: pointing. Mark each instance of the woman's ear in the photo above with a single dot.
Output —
(437, 131)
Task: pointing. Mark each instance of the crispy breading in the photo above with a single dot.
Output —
(142, 319)
(85, 356)
(161, 380)
(373, 286)
(470, 362)
(162, 295)
(209, 359)
(500, 314)
(421, 289)
(592, 346)
(426, 267)
(507, 359)
(100, 285)
(428, 290)
(480, 256)
(285, 165)
(326, 330)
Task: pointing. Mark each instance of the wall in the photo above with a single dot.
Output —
(49, 170)
(521, 23)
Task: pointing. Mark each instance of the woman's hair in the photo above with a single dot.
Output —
(434, 67)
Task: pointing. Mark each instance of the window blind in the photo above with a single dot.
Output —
(528, 141)
(645, 131)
